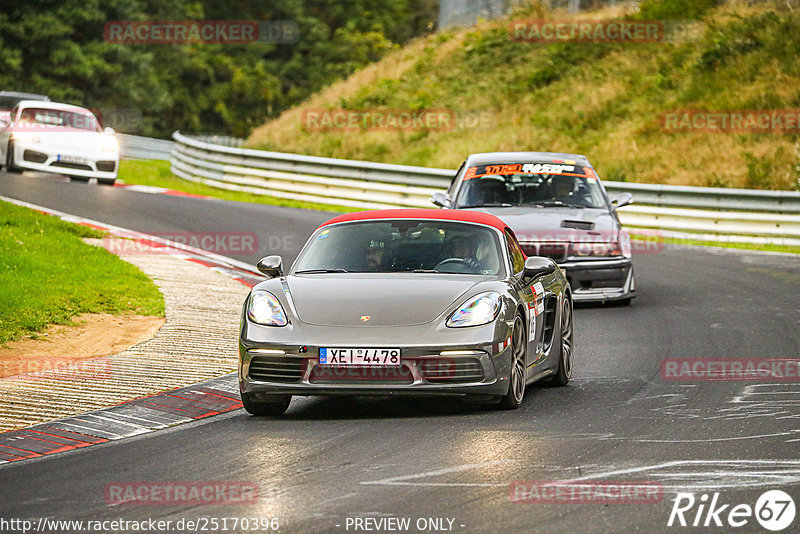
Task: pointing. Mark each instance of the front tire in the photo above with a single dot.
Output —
(564, 373)
(106, 181)
(81, 179)
(517, 375)
(10, 167)
(261, 408)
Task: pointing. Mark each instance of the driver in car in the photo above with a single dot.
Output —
(374, 254)
(465, 248)
(563, 187)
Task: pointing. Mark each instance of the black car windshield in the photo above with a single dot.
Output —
(530, 184)
(402, 246)
(44, 118)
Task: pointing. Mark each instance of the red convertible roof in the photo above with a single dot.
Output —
(410, 213)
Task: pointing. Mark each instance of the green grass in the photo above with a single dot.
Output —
(157, 173)
(48, 275)
(723, 244)
(605, 100)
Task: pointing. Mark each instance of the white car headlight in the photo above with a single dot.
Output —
(109, 143)
(265, 309)
(478, 310)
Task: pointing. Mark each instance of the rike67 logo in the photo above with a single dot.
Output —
(774, 510)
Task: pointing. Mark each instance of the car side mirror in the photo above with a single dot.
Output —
(108, 131)
(441, 199)
(539, 266)
(623, 199)
(271, 266)
(4, 122)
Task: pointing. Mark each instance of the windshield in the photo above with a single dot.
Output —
(402, 246)
(43, 119)
(530, 184)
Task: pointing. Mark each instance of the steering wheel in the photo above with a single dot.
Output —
(450, 260)
(460, 263)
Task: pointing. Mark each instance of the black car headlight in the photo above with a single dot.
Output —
(265, 309)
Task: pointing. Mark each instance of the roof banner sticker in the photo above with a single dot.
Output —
(521, 168)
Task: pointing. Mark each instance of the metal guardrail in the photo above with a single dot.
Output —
(730, 212)
(138, 147)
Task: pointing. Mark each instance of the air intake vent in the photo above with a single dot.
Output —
(578, 225)
(455, 370)
(276, 368)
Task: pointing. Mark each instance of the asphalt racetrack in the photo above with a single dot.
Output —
(354, 465)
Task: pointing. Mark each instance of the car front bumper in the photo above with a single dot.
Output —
(452, 369)
(70, 161)
(599, 280)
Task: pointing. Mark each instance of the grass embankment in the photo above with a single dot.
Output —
(157, 173)
(48, 275)
(605, 100)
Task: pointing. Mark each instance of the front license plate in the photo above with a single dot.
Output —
(73, 159)
(366, 356)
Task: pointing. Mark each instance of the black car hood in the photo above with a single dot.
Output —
(388, 299)
(531, 223)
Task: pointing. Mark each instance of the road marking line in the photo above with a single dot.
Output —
(401, 480)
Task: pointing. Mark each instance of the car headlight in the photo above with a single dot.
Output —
(478, 310)
(26, 137)
(597, 249)
(109, 143)
(265, 309)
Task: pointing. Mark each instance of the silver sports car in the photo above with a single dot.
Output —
(559, 208)
(407, 301)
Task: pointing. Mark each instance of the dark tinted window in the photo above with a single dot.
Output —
(516, 254)
(404, 246)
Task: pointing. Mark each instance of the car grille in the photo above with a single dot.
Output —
(35, 157)
(456, 370)
(334, 374)
(554, 251)
(106, 166)
(68, 165)
(276, 368)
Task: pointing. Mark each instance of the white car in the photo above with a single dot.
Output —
(58, 138)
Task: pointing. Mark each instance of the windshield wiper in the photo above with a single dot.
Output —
(425, 271)
(490, 205)
(549, 203)
(318, 271)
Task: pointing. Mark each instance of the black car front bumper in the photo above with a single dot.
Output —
(598, 280)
